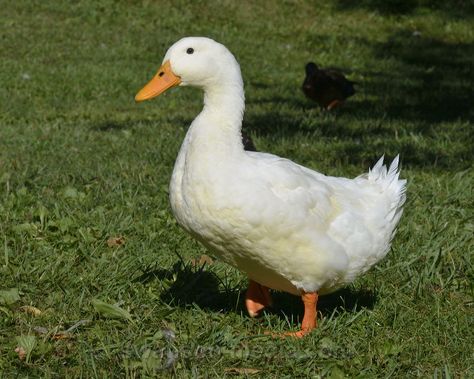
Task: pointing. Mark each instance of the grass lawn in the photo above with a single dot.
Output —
(96, 278)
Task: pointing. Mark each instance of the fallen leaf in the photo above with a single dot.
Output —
(21, 353)
(115, 241)
(40, 330)
(26, 345)
(30, 310)
(10, 296)
(242, 370)
(150, 360)
(62, 336)
(110, 310)
(72, 193)
(204, 259)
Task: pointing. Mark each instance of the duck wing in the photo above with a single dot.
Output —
(345, 86)
(337, 227)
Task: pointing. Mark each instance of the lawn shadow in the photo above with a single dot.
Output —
(271, 124)
(455, 9)
(191, 285)
(432, 81)
(346, 300)
(107, 126)
(425, 80)
(290, 99)
(423, 94)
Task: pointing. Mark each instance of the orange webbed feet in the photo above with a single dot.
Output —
(257, 298)
(310, 300)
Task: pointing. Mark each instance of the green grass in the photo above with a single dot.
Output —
(80, 162)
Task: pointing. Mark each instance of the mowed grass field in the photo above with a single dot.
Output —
(96, 278)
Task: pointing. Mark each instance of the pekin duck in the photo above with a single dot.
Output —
(326, 86)
(287, 227)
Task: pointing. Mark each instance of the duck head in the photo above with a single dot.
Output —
(311, 68)
(193, 61)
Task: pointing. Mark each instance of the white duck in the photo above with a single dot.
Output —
(287, 227)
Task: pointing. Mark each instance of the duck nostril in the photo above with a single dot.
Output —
(161, 73)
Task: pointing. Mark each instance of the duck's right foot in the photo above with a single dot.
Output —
(257, 298)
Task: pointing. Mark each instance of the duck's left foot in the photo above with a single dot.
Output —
(257, 298)
(298, 334)
(310, 299)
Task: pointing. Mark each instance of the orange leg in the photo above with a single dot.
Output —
(333, 104)
(257, 298)
(309, 323)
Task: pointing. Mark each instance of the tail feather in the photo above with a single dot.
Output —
(393, 170)
(389, 179)
(378, 170)
(395, 190)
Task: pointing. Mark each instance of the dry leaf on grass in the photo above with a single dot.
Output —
(25, 346)
(21, 353)
(241, 370)
(115, 241)
(62, 336)
(204, 259)
(30, 310)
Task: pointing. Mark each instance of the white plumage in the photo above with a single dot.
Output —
(288, 227)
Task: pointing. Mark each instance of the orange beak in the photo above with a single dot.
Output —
(163, 80)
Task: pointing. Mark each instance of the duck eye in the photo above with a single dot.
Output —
(190, 50)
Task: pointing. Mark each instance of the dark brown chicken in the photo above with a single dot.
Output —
(327, 87)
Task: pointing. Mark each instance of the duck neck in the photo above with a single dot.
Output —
(220, 122)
